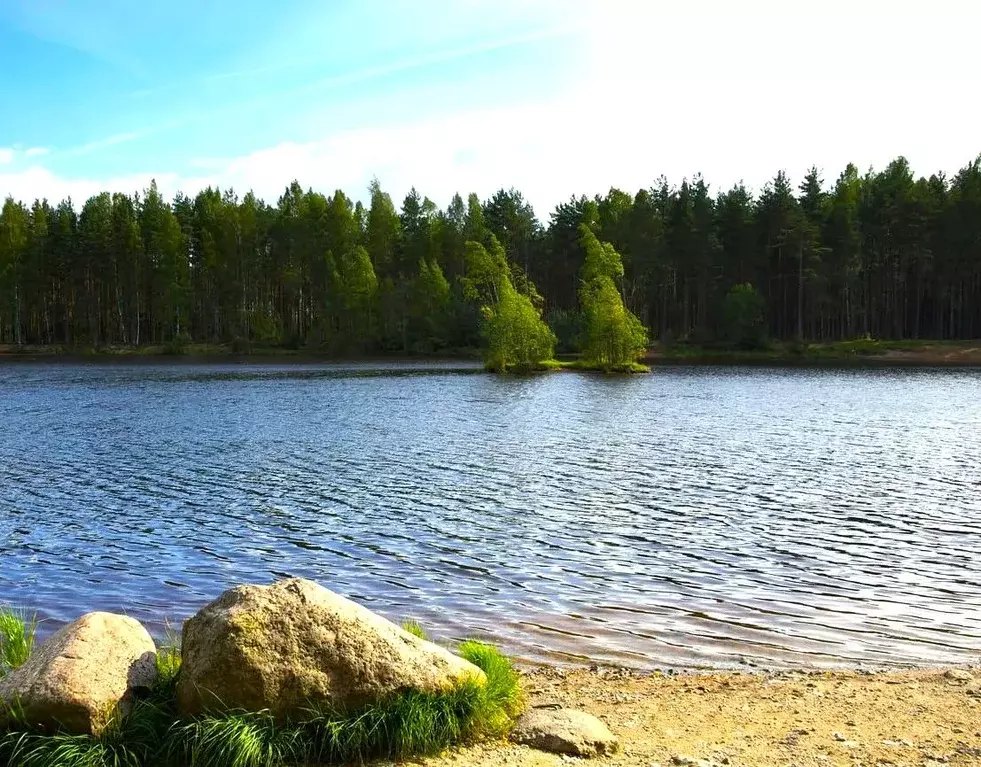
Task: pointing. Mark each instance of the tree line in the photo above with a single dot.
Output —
(884, 254)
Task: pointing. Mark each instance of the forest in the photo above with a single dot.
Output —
(884, 254)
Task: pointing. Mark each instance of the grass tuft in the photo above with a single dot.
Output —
(408, 724)
(134, 741)
(16, 639)
(236, 740)
(502, 699)
(168, 666)
(415, 628)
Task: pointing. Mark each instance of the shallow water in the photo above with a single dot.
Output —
(693, 517)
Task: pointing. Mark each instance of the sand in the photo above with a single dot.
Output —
(848, 718)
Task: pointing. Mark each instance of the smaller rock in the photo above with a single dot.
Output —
(959, 675)
(564, 731)
(84, 676)
(839, 737)
(687, 761)
(793, 736)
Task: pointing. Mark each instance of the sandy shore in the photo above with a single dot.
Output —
(929, 718)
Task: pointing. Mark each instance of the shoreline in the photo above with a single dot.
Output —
(918, 716)
(859, 354)
(851, 354)
(895, 716)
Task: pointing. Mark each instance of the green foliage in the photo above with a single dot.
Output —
(265, 325)
(178, 345)
(882, 252)
(517, 338)
(612, 335)
(484, 271)
(430, 315)
(568, 328)
(743, 310)
(17, 632)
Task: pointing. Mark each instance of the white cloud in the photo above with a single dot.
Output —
(39, 183)
(6, 156)
(36, 151)
(736, 91)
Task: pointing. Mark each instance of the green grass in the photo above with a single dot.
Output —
(502, 698)
(16, 639)
(408, 724)
(403, 725)
(625, 367)
(575, 364)
(524, 368)
(168, 665)
(140, 739)
(415, 628)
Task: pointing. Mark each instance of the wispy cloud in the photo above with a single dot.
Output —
(371, 73)
(335, 81)
(109, 141)
(6, 155)
(125, 137)
(440, 57)
(36, 151)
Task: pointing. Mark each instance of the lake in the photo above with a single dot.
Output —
(709, 517)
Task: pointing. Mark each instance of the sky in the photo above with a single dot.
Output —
(553, 97)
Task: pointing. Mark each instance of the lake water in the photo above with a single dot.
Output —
(693, 517)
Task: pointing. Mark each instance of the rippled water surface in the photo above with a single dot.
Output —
(690, 517)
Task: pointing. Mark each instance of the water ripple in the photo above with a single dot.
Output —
(692, 517)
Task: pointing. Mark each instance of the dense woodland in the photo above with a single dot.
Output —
(884, 254)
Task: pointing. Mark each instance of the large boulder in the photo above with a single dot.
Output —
(564, 731)
(82, 676)
(294, 644)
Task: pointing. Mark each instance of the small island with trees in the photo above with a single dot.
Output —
(518, 339)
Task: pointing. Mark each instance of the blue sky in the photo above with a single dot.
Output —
(552, 96)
